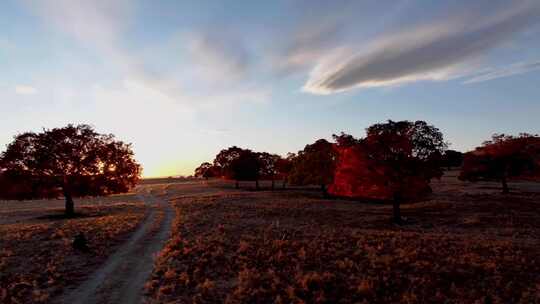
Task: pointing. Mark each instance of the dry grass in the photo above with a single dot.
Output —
(37, 260)
(27, 211)
(466, 244)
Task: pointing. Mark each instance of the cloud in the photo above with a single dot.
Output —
(102, 25)
(307, 44)
(317, 27)
(25, 90)
(507, 71)
(220, 57)
(438, 51)
(97, 23)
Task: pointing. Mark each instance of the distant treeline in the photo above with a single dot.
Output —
(394, 161)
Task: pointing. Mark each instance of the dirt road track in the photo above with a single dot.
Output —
(121, 279)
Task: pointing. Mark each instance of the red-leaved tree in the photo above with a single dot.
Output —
(502, 158)
(395, 161)
(284, 167)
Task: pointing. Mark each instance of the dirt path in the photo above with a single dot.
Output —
(121, 279)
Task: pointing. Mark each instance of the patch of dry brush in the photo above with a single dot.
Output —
(37, 259)
(273, 248)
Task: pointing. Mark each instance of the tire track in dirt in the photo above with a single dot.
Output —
(121, 279)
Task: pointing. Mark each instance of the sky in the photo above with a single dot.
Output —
(181, 80)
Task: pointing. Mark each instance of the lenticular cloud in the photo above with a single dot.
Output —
(430, 52)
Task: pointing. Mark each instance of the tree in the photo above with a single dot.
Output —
(206, 170)
(224, 160)
(502, 158)
(15, 187)
(247, 167)
(452, 158)
(239, 164)
(345, 140)
(314, 165)
(404, 149)
(284, 167)
(268, 166)
(73, 161)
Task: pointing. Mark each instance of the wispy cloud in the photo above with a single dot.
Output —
(318, 27)
(507, 71)
(307, 44)
(324, 38)
(102, 25)
(25, 90)
(96, 23)
(219, 56)
(438, 51)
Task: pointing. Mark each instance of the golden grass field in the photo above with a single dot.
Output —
(37, 261)
(466, 243)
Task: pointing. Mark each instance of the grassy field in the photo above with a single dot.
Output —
(37, 261)
(467, 243)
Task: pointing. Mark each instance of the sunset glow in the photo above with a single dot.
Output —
(282, 151)
(181, 80)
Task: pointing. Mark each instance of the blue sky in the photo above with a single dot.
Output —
(183, 79)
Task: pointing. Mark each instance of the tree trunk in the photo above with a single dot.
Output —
(284, 185)
(505, 185)
(273, 186)
(257, 184)
(323, 189)
(70, 206)
(236, 185)
(396, 210)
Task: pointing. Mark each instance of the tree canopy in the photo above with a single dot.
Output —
(224, 160)
(452, 158)
(206, 170)
(239, 164)
(503, 157)
(345, 140)
(314, 165)
(72, 161)
(395, 160)
(407, 149)
(269, 165)
(284, 167)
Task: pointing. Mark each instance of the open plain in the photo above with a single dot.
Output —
(206, 242)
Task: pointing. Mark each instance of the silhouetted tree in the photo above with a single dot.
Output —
(15, 186)
(224, 160)
(206, 170)
(247, 167)
(284, 167)
(268, 166)
(502, 158)
(238, 164)
(345, 140)
(74, 161)
(314, 165)
(405, 149)
(452, 158)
